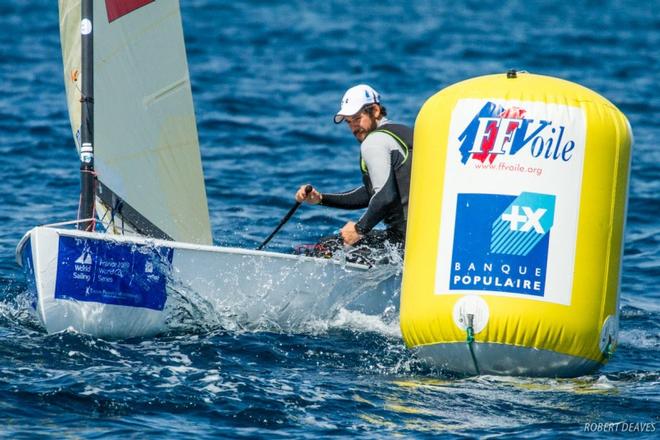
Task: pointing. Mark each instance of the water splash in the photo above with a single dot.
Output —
(302, 296)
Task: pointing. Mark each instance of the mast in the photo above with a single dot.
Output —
(87, 179)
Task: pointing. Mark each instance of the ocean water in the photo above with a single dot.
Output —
(267, 78)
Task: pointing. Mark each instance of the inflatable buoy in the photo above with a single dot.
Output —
(515, 227)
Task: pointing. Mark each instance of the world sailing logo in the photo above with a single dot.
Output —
(85, 257)
(82, 267)
(498, 132)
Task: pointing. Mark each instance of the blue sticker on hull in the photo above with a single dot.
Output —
(112, 273)
(28, 268)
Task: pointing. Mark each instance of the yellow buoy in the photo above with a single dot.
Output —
(515, 227)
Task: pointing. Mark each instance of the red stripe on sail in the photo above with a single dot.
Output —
(119, 8)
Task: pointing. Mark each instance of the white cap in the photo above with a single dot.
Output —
(354, 99)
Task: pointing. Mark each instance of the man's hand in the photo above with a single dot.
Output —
(350, 234)
(313, 197)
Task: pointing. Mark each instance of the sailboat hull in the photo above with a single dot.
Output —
(122, 287)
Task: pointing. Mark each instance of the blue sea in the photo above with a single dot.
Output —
(267, 78)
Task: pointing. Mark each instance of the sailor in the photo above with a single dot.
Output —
(385, 163)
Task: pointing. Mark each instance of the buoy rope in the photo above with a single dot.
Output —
(609, 348)
(470, 340)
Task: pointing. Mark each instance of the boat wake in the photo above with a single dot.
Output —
(359, 301)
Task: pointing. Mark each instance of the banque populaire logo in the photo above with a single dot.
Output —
(501, 242)
(511, 199)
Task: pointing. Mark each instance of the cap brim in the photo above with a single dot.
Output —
(349, 110)
(345, 112)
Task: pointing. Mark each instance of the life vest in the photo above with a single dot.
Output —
(402, 164)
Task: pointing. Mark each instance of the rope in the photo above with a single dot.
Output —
(74, 79)
(113, 210)
(609, 348)
(469, 340)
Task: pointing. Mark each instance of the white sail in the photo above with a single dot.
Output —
(70, 41)
(145, 135)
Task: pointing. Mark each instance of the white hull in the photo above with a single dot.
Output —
(120, 286)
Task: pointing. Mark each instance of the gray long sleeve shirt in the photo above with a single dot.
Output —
(380, 154)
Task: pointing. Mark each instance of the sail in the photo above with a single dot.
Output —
(70, 41)
(146, 148)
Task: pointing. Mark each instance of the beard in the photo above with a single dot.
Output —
(360, 134)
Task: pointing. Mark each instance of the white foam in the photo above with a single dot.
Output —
(639, 339)
(89, 391)
(358, 321)
(211, 378)
(212, 388)
(310, 420)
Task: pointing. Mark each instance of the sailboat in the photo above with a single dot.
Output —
(142, 239)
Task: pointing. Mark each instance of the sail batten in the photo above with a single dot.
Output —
(171, 88)
(145, 133)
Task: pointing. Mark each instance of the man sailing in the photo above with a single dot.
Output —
(385, 163)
